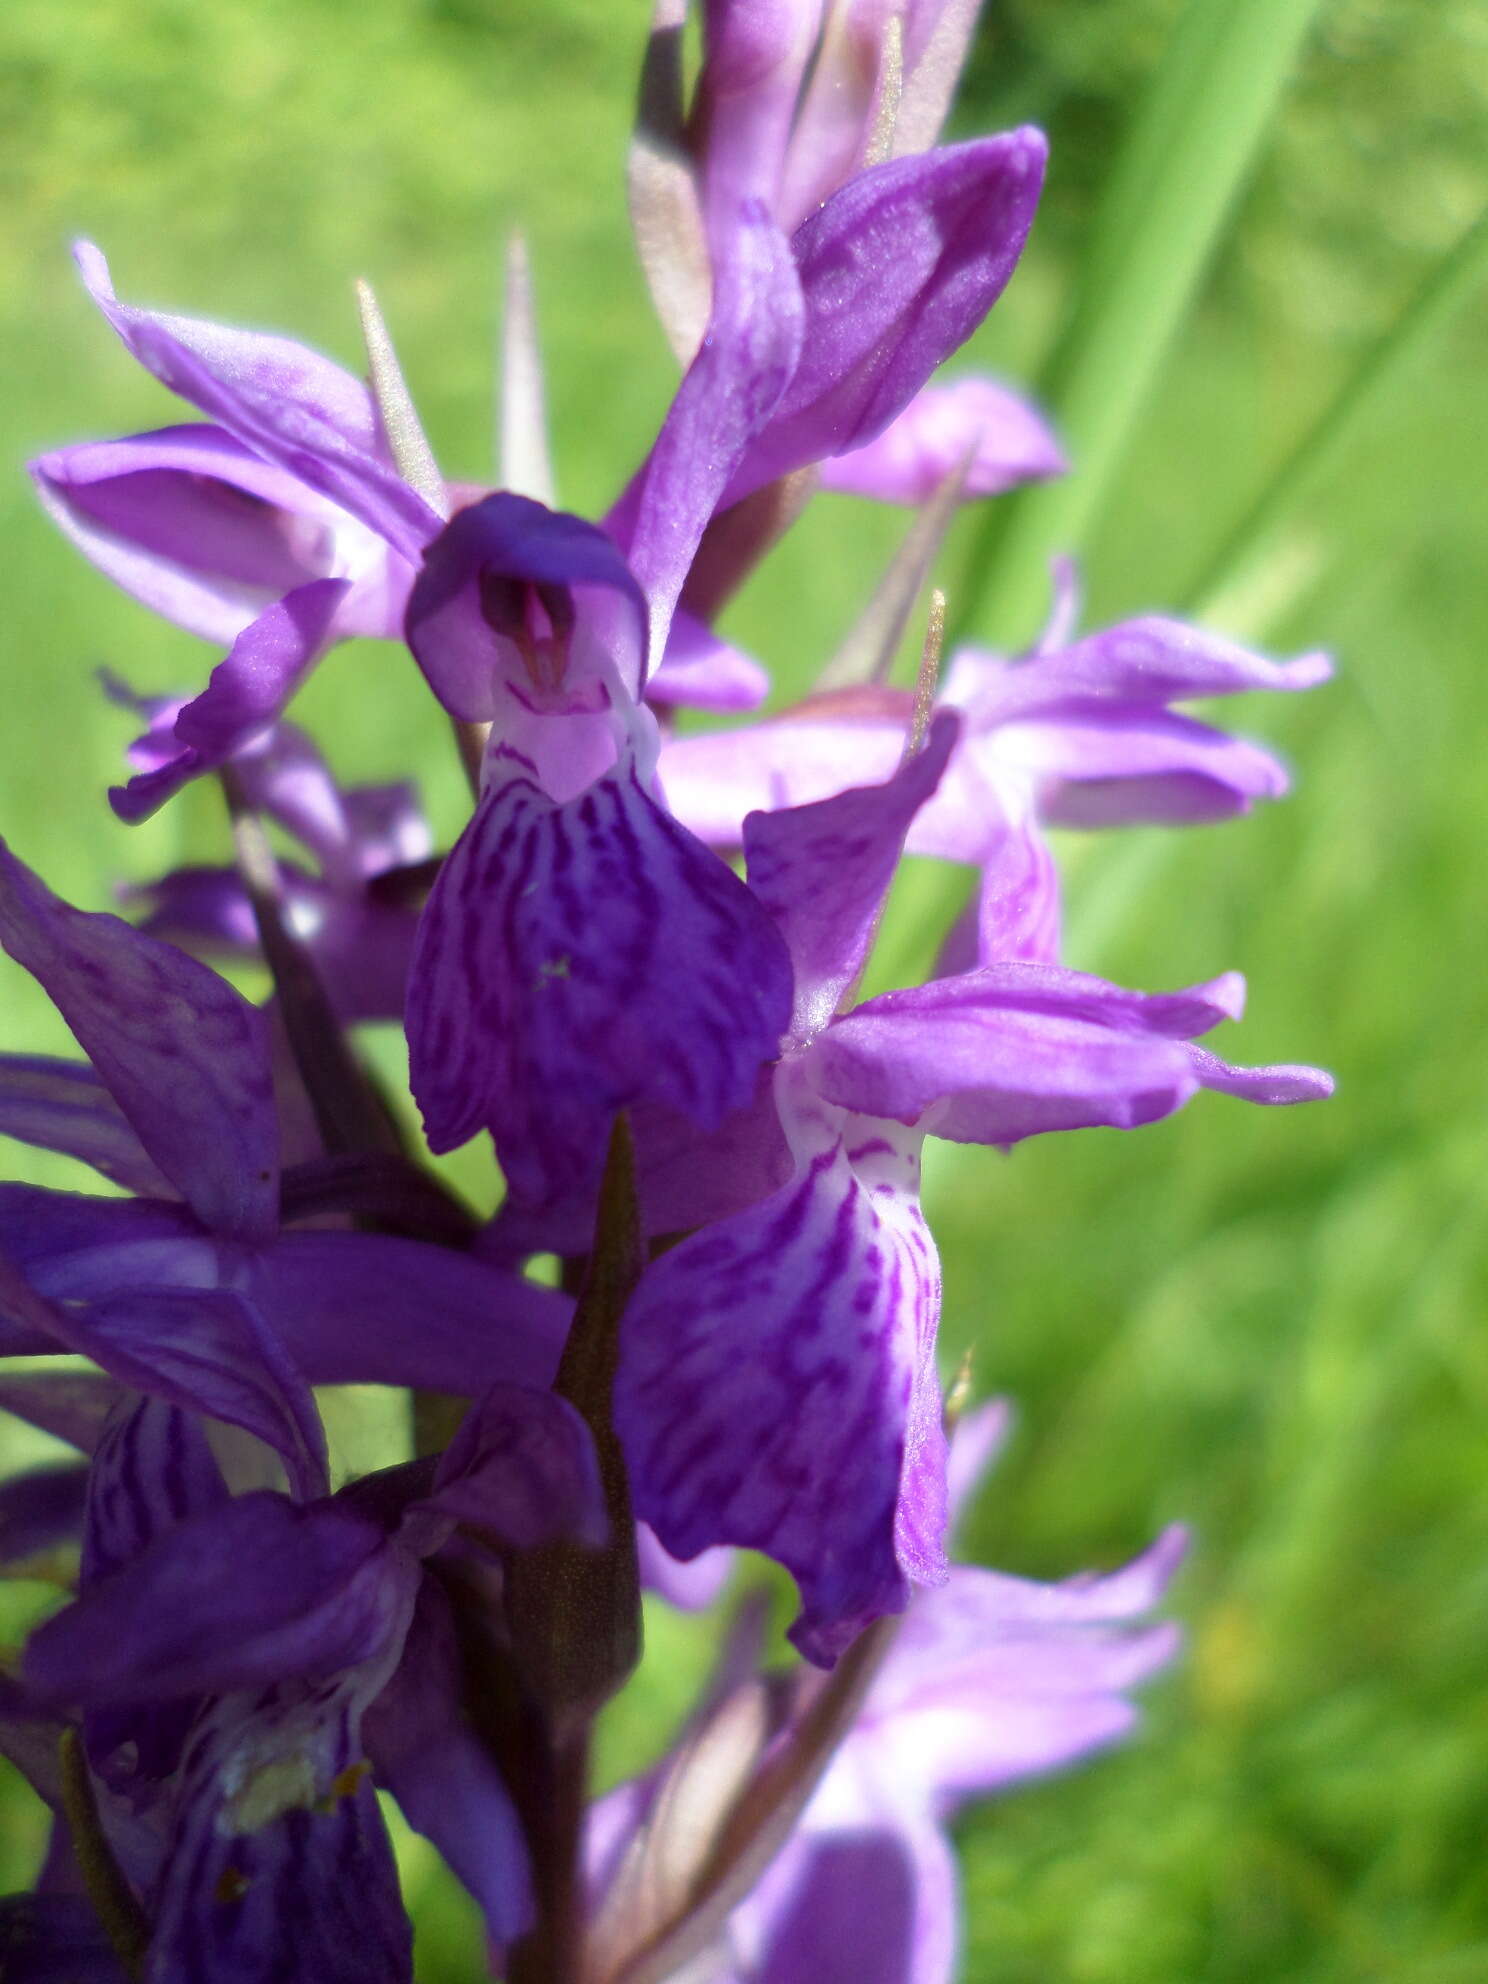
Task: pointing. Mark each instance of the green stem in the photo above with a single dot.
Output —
(113, 1899)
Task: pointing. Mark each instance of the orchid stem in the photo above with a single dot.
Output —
(114, 1903)
(557, 1778)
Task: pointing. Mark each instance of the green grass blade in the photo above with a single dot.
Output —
(1175, 184)
(1453, 280)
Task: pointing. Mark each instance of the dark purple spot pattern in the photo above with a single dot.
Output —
(575, 960)
(777, 1386)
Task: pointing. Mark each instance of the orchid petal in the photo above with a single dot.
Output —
(511, 538)
(1001, 436)
(522, 1470)
(248, 691)
(366, 1308)
(184, 1056)
(699, 671)
(1015, 912)
(777, 1385)
(576, 959)
(55, 1939)
(1016, 1049)
(1277, 1086)
(713, 779)
(690, 1587)
(994, 1677)
(63, 1106)
(977, 1440)
(286, 403)
(1098, 767)
(279, 1869)
(754, 56)
(823, 872)
(731, 390)
(897, 269)
(1148, 660)
(255, 1591)
(196, 527)
(205, 1349)
(686, 1178)
(874, 1903)
(154, 1468)
(443, 1777)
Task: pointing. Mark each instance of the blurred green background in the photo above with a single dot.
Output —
(1268, 1324)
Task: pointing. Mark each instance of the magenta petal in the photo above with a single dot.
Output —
(699, 671)
(872, 1901)
(733, 386)
(448, 1787)
(1099, 767)
(255, 1591)
(1277, 1085)
(897, 269)
(1150, 660)
(508, 540)
(824, 870)
(755, 54)
(63, 1106)
(1016, 1049)
(777, 1385)
(522, 1469)
(576, 959)
(994, 1678)
(369, 1308)
(153, 1469)
(1001, 437)
(247, 693)
(199, 1348)
(279, 1869)
(185, 1057)
(691, 1587)
(279, 399)
(196, 527)
(209, 1350)
(1015, 913)
(713, 779)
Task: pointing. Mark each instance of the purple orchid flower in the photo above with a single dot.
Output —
(177, 1105)
(989, 1680)
(228, 1650)
(359, 934)
(538, 1004)
(208, 534)
(972, 426)
(1075, 734)
(280, 527)
(811, 1312)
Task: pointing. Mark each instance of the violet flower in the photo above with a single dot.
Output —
(987, 1681)
(178, 1104)
(1075, 734)
(812, 1311)
(226, 1651)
